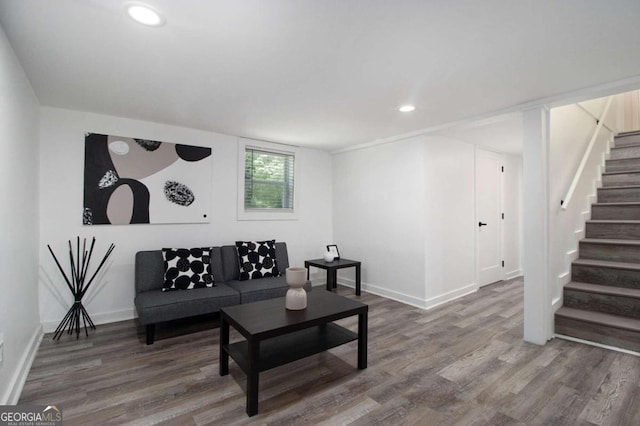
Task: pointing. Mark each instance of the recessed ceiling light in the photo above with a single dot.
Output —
(144, 14)
(407, 108)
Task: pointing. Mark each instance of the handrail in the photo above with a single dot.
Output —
(567, 198)
(594, 117)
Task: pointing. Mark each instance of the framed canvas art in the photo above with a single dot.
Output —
(137, 181)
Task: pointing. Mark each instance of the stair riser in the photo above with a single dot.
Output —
(604, 212)
(622, 165)
(624, 152)
(616, 305)
(618, 195)
(627, 140)
(621, 179)
(605, 276)
(621, 231)
(598, 333)
(613, 252)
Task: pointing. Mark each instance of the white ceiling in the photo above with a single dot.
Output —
(321, 73)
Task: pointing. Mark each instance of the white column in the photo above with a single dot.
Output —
(538, 316)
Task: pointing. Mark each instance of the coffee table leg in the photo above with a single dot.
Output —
(362, 340)
(224, 340)
(334, 278)
(252, 377)
(329, 283)
(357, 280)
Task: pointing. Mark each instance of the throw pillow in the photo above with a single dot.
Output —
(257, 259)
(186, 269)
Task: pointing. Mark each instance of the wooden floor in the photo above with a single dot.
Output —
(463, 363)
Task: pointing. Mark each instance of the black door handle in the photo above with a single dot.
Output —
(482, 224)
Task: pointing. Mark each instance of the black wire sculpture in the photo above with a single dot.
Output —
(78, 286)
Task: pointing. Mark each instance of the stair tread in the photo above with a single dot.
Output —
(615, 221)
(607, 264)
(621, 172)
(606, 188)
(626, 146)
(622, 160)
(610, 241)
(604, 289)
(616, 321)
(619, 203)
(628, 133)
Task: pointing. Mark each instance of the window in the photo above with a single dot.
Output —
(266, 181)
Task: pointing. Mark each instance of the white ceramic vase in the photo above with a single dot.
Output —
(296, 298)
(328, 256)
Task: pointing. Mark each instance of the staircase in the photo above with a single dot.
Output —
(602, 302)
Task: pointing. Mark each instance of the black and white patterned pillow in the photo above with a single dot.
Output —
(257, 259)
(185, 269)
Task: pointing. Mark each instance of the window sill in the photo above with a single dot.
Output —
(267, 215)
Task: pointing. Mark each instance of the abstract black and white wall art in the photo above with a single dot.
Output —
(130, 181)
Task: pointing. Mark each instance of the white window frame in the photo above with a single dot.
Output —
(266, 214)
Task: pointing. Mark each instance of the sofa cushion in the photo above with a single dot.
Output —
(186, 269)
(155, 306)
(257, 259)
(262, 289)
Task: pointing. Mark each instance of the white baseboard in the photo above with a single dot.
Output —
(318, 279)
(512, 274)
(451, 295)
(563, 279)
(408, 299)
(22, 371)
(599, 345)
(384, 292)
(103, 318)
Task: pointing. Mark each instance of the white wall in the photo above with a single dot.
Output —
(512, 206)
(19, 320)
(407, 211)
(61, 180)
(450, 228)
(378, 217)
(571, 129)
(629, 116)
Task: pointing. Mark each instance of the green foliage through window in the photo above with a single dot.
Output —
(268, 180)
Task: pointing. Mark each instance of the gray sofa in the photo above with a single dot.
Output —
(154, 305)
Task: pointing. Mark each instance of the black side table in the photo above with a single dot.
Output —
(332, 270)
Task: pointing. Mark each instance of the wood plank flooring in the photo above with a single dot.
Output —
(463, 363)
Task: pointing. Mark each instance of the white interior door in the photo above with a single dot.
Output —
(489, 217)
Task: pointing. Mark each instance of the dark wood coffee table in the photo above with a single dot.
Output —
(276, 336)
(332, 270)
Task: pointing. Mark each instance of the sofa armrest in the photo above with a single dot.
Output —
(149, 271)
